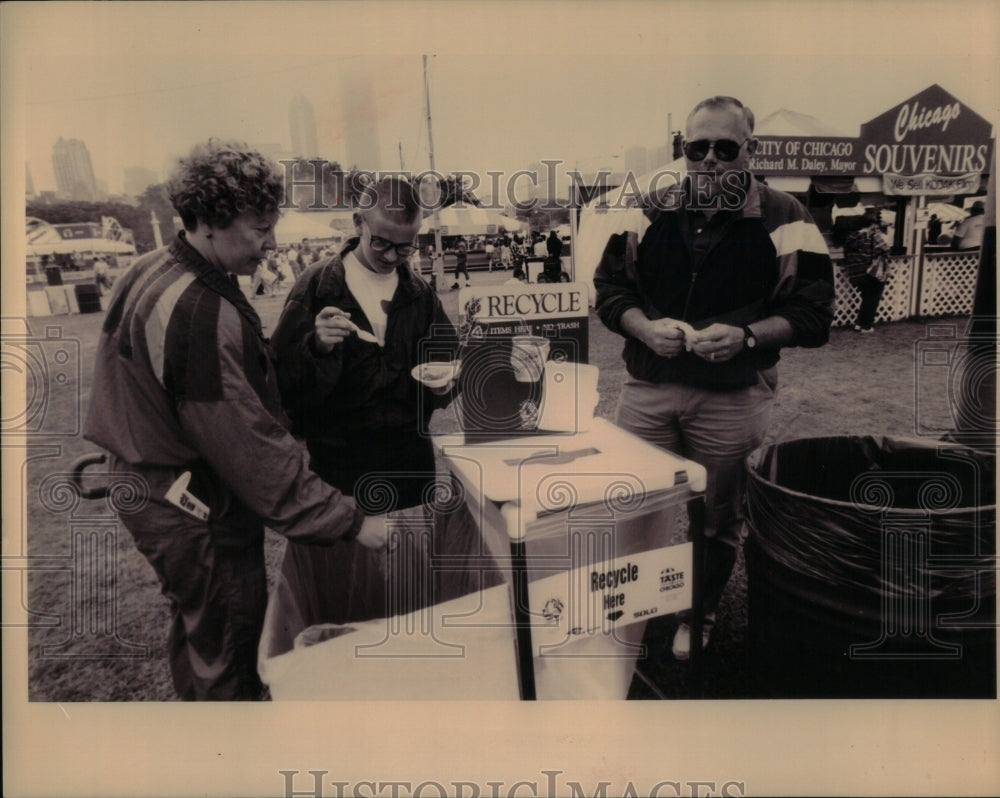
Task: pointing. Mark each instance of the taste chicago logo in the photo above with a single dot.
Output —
(671, 579)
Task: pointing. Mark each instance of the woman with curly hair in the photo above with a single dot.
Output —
(185, 399)
(228, 198)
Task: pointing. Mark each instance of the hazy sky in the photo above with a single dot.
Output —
(511, 83)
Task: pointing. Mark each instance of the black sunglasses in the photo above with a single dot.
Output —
(380, 244)
(725, 149)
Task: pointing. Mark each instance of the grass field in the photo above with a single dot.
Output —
(97, 620)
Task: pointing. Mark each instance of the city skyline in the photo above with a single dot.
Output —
(552, 181)
(73, 170)
(488, 113)
(302, 126)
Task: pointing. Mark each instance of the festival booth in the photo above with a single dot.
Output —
(84, 239)
(572, 526)
(469, 221)
(317, 227)
(930, 148)
(74, 291)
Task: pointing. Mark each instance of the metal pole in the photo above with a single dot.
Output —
(696, 525)
(574, 220)
(522, 621)
(157, 236)
(430, 154)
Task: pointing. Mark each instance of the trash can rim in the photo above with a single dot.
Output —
(753, 473)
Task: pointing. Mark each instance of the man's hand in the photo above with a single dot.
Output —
(333, 325)
(717, 343)
(666, 337)
(374, 532)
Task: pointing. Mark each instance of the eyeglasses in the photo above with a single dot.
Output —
(380, 244)
(725, 149)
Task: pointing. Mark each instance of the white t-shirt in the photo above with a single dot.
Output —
(373, 292)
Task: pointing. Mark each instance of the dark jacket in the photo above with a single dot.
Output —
(358, 407)
(184, 382)
(767, 258)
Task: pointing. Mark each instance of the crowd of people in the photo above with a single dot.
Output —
(290, 432)
(504, 252)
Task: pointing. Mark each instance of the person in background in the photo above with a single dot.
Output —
(969, 234)
(184, 389)
(492, 254)
(541, 249)
(461, 263)
(519, 258)
(506, 260)
(437, 267)
(352, 330)
(553, 245)
(933, 229)
(263, 281)
(866, 264)
(517, 278)
(102, 275)
(727, 273)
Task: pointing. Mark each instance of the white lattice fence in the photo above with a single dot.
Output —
(949, 284)
(895, 303)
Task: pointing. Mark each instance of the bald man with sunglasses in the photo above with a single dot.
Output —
(727, 273)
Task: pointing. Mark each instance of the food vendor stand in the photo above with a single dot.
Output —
(579, 517)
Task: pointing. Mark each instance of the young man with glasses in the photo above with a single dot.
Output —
(727, 273)
(353, 327)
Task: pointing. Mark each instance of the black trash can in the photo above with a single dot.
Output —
(53, 275)
(88, 298)
(871, 569)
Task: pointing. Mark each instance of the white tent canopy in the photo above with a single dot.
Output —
(946, 212)
(80, 245)
(43, 238)
(469, 220)
(293, 226)
(614, 212)
(785, 122)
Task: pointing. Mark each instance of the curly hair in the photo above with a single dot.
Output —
(219, 180)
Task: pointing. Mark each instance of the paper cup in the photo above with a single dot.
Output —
(435, 375)
(528, 354)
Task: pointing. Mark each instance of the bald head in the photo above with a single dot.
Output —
(723, 103)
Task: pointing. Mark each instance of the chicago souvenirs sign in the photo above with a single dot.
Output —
(929, 136)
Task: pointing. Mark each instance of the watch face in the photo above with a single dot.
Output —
(748, 338)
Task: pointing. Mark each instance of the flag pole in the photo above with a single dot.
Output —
(430, 152)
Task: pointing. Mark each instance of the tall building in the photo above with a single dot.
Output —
(73, 170)
(29, 184)
(136, 179)
(360, 115)
(302, 121)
